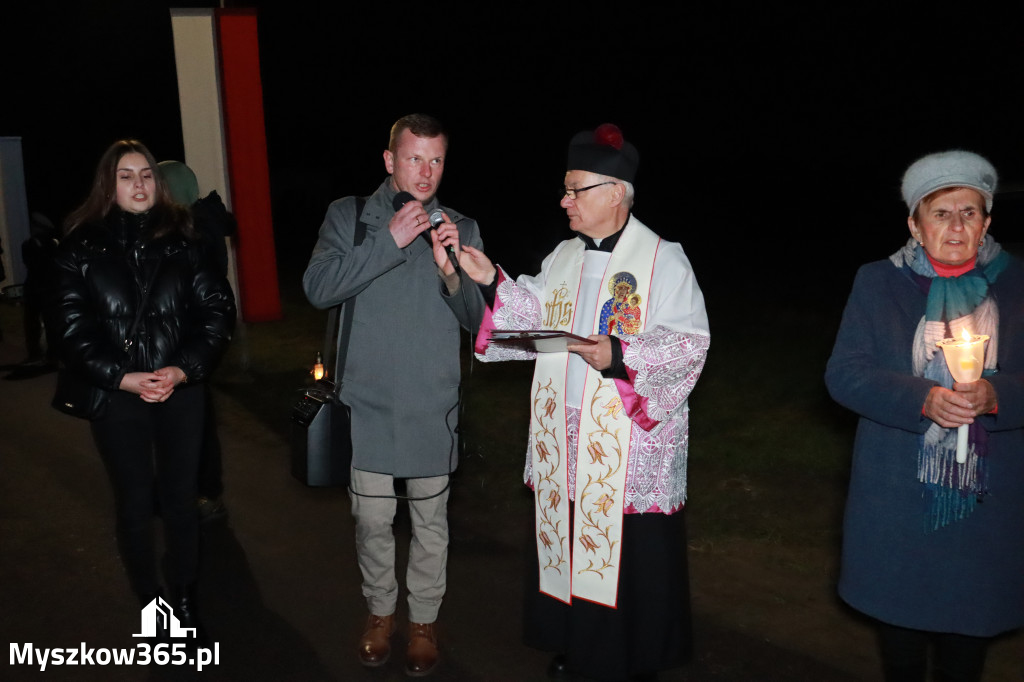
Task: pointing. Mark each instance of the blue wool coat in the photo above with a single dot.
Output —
(967, 577)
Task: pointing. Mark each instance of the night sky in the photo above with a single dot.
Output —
(772, 138)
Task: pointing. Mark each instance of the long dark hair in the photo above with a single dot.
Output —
(167, 216)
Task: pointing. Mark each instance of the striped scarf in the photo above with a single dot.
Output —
(954, 304)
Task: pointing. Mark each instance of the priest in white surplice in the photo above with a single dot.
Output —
(609, 422)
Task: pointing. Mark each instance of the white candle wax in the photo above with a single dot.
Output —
(961, 444)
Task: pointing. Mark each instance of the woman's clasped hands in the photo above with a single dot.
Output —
(153, 387)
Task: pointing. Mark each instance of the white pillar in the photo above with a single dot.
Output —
(202, 125)
(202, 121)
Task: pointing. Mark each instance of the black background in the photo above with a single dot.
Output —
(772, 137)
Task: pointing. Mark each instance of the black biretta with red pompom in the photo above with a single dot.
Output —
(603, 151)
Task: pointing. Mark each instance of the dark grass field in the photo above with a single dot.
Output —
(769, 454)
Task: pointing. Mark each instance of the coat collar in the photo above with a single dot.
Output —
(379, 210)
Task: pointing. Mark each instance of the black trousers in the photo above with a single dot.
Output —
(211, 483)
(151, 453)
(958, 658)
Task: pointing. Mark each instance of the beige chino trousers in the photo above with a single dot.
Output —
(375, 542)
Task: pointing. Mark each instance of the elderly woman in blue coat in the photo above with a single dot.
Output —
(933, 549)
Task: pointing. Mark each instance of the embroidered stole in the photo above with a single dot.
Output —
(591, 569)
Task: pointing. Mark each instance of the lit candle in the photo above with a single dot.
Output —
(965, 358)
(318, 367)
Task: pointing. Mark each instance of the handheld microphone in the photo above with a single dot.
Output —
(436, 218)
(401, 199)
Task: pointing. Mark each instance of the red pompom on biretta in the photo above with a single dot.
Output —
(609, 135)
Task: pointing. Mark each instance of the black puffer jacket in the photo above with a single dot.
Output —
(100, 273)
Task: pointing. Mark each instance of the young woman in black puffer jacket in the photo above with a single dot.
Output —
(141, 316)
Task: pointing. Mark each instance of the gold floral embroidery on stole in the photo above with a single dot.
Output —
(601, 467)
(550, 460)
(550, 481)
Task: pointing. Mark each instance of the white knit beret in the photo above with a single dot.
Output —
(956, 168)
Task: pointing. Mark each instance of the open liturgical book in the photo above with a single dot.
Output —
(540, 340)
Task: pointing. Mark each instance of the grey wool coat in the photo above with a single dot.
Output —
(401, 376)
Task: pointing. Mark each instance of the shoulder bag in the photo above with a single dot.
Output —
(321, 452)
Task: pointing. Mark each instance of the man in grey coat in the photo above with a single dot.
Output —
(401, 374)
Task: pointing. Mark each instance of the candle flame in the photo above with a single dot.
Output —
(966, 336)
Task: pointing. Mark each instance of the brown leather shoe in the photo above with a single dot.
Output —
(375, 644)
(422, 656)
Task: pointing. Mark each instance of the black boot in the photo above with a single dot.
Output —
(184, 604)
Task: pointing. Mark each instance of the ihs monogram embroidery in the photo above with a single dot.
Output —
(558, 309)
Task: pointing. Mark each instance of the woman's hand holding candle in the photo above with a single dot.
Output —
(950, 409)
(957, 408)
(981, 395)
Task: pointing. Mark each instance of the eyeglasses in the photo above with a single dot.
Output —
(571, 193)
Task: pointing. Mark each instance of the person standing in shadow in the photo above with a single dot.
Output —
(214, 224)
(37, 254)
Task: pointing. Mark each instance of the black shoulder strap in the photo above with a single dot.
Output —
(344, 328)
(360, 233)
(129, 340)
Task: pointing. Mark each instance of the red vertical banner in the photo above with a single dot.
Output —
(246, 146)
